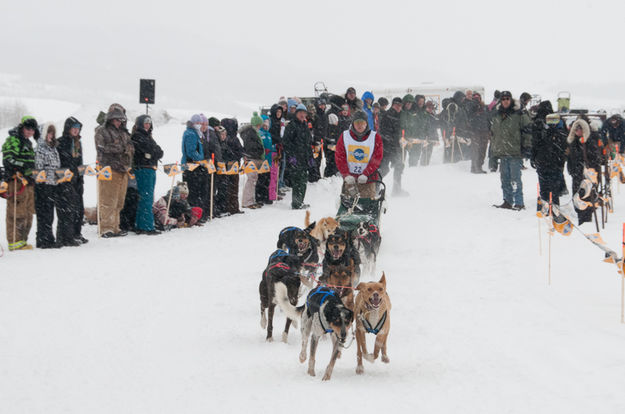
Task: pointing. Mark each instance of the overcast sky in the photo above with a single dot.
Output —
(218, 53)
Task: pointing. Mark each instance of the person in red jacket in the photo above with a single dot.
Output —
(358, 156)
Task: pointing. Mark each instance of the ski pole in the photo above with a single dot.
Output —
(97, 177)
(453, 144)
(403, 146)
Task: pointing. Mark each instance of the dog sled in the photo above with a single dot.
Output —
(355, 210)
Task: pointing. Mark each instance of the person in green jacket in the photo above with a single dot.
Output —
(297, 143)
(18, 159)
(420, 133)
(511, 136)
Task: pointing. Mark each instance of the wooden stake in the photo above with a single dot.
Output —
(171, 190)
(623, 279)
(540, 237)
(212, 184)
(550, 235)
(14, 208)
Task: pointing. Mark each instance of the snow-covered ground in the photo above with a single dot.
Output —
(171, 323)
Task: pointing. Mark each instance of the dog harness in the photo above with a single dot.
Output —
(277, 254)
(378, 326)
(288, 229)
(321, 290)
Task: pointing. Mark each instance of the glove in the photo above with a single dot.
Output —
(362, 179)
(350, 180)
(311, 163)
(292, 161)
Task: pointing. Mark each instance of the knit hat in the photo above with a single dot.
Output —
(204, 119)
(350, 89)
(360, 116)
(291, 102)
(505, 94)
(301, 107)
(397, 100)
(213, 122)
(196, 119)
(333, 119)
(182, 188)
(29, 122)
(408, 98)
(256, 120)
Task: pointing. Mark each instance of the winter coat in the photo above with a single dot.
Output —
(211, 145)
(270, 149)
(423, 128)
(511, 132)
(354, 106)
(252, 143)
(231, 149)
(371, 171)
(390, 130)
(614, 133)
(70, 148)
(18, 154)
(548, 146)
(47, 158)
(192, 149)
(479, 120)
(147, 151)
(276, 124)
(113, 145)
(368, 108)
(580, 155)
(297, 142)
(320, 126)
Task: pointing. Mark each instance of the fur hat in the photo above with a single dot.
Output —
(579, 123)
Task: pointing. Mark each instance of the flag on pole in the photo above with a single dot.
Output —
(250, 167)
(41, 177)
(264, 167)
(210, 166)
(105, 174)
(90, 171)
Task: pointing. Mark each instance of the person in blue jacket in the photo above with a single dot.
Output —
(367, 106)
(192, 151)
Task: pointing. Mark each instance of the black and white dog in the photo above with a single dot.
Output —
(366, 240)
(323, 313)
(280, 285)
(300, 243)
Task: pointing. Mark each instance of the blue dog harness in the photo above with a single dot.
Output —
(326, 292)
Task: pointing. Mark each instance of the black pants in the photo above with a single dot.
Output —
(128, 215)
(393, 158)
(414, 154)
(70, 212)
(197, 182)
(549, 182)
(478, 153)
(330, 169)
(262, 187)
(45, 201)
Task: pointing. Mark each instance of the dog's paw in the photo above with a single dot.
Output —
(311, 372)
(269, 339)
(369, 357)
(386, 359)
(360, 370)
(263, 322)
(302, 357)
(326, 377)
(285, 336)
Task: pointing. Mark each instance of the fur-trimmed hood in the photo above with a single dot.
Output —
(585, 130)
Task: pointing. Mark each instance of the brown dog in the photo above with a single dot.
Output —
(372, 314)
(322, 229)
(341, 279)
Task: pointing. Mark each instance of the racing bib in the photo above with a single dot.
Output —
(358, 153)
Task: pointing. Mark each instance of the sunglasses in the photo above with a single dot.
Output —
(505, 99)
